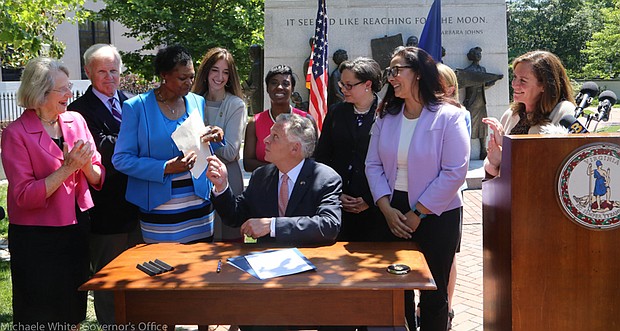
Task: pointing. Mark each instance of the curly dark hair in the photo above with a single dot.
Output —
(167, 58)
(280, 69)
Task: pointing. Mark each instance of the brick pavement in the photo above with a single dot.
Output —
(467, 300)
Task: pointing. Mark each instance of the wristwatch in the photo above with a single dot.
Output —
(417, 212)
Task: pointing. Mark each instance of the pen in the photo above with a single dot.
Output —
(219, 266)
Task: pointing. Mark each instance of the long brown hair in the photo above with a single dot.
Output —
(550, 72)
(201, 85)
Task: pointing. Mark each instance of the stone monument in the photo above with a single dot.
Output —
(354, 24)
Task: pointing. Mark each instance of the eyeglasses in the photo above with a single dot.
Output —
(64, 89)
(394, 71)
(348, 87)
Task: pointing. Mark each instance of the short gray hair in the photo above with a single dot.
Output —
(301, 129)
(37, 81)
(92, 53)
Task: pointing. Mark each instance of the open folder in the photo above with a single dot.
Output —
(272, 263)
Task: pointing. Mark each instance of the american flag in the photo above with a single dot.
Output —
(319, 66)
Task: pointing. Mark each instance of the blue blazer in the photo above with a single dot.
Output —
(144, 146)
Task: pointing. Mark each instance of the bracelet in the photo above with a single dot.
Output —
(417, 212)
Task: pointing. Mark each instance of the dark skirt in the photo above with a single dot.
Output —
(48, 264)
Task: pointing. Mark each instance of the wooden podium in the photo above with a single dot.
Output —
(542, 270)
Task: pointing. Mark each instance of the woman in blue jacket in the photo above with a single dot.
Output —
(174, 206)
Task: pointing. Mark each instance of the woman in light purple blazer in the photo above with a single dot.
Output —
(416, 163)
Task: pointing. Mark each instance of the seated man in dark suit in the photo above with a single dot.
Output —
(307, 213)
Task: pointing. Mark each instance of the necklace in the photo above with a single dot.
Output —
(290, 111)
(360, 112)
(364, 110)
(411, 113)
(48, 122)
(164, 102)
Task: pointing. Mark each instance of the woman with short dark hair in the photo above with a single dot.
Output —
(343, 145)
(280, 84)
(174, 205)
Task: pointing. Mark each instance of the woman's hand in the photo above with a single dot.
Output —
(494, 153)
(497, 128)
(413, 220)
(180, 163)
(353, 205)
(494, 148)
(396, 222)
(214, 134)
(79, 157)
(394, 218)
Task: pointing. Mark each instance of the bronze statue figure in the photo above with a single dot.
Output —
(253, 86)
(334, 94)
(475, 80)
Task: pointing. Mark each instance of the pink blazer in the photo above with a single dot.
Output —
(29, 155)
(438, 158)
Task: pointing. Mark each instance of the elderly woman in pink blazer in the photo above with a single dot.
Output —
(49, 159)
(416, 163)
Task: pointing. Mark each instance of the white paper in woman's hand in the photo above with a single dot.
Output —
(187, 138)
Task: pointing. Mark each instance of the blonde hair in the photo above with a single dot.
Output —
(37, 81)
(447, 74)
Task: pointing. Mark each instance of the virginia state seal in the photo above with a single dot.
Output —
(587, 191)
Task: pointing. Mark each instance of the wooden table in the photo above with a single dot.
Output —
(349, 287)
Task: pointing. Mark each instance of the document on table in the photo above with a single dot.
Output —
(187, 139)
(273, 263)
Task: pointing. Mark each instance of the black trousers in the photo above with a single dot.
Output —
(438, 238)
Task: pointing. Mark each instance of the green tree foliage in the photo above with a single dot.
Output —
(603, 49)
(559, 26)
(197, 25)
(27, 28)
